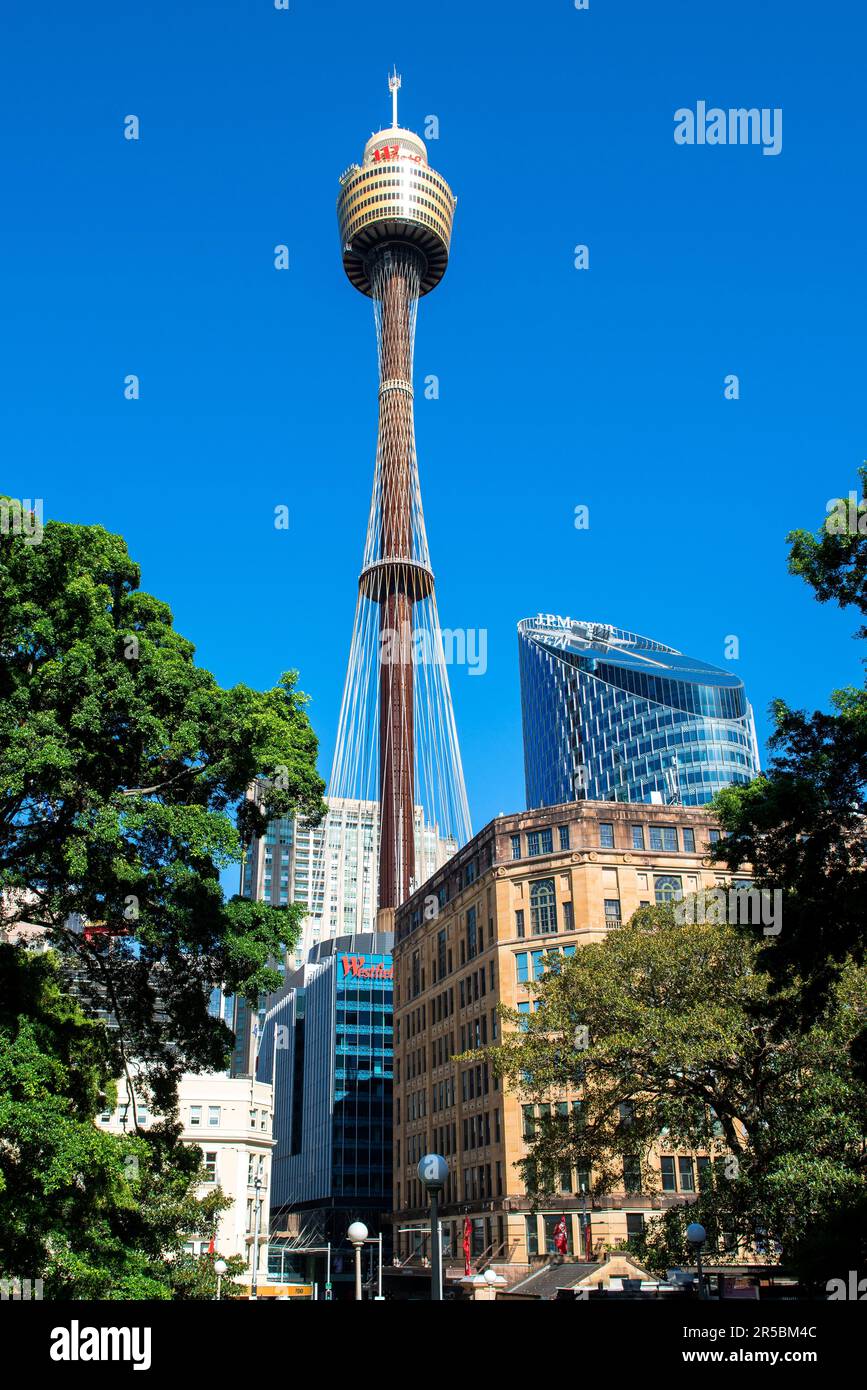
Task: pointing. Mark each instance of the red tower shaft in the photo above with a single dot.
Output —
(397, 281)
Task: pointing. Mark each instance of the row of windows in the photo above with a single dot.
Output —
(196, 1117)
(442, 1095)
(541, 841)
(476, 1082)
(660, 837)
(407, 199)
(417, 216)
(473, 987)
(427, 175)
(350, 202)
(530, 965)
(478, 1130)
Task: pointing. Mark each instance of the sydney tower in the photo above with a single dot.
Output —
(395, 216)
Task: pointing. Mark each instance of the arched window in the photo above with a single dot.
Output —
(543, 907)
(669, 888)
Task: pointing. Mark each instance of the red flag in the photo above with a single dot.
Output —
(211, 1246)
(467, 1233)
(561, 1238)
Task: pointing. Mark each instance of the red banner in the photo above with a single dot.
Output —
(467, 1234)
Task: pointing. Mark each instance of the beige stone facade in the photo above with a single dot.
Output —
(473, 937)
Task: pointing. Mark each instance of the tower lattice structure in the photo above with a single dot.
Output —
(397, 742)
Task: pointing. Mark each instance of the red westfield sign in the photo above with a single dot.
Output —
(357, 967)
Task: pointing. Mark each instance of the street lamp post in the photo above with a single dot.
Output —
(357, 1234)
(433, 1171)
(254, 1282)
(220, 1268)
(697, 1235)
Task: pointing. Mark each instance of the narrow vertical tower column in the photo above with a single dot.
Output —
(396, 721)
(396, 278)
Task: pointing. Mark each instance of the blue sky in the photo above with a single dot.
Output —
(558, 387)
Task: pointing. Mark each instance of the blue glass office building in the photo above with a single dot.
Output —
(612, 716)
(327, 1048)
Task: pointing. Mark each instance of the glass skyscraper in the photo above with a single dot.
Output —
(327, 1049)
(611, 716)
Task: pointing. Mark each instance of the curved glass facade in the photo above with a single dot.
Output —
(612, 716)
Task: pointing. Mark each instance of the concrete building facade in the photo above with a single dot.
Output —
(231, 1121)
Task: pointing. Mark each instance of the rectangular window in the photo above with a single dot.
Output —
(516, 846)
(195, 1116)
(638, 837)
(669, 1180)
(538, 958)
(532, 1230)
(519, 922)
(713, 837)
(634, 1224)
(686, 1173)
(606, 835)
(688, 839)
(612, 912)
(524, 1008)
(568, 917)
(213, 1115)
(631, 1175)
(441, 954)
(663, 837)
(211, 1166)
(540, 842)
(471, 933)
(705, 1174)
(563, 832)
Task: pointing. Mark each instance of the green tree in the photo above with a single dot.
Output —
(802, 825)
(684, 1050)
(124, 777)
(95, 1215)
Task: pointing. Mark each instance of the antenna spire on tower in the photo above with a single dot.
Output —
(394, 88)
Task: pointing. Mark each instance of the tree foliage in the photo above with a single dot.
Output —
(802, 825)
(684, 1051)
(92, 1214)
(124, 772)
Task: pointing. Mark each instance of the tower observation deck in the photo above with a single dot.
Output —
(397, 741)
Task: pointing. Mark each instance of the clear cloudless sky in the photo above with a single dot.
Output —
(558, 387)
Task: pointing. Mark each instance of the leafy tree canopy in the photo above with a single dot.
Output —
(802, 825)
(124, 772)
(92, 1214)
(684, 1051)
